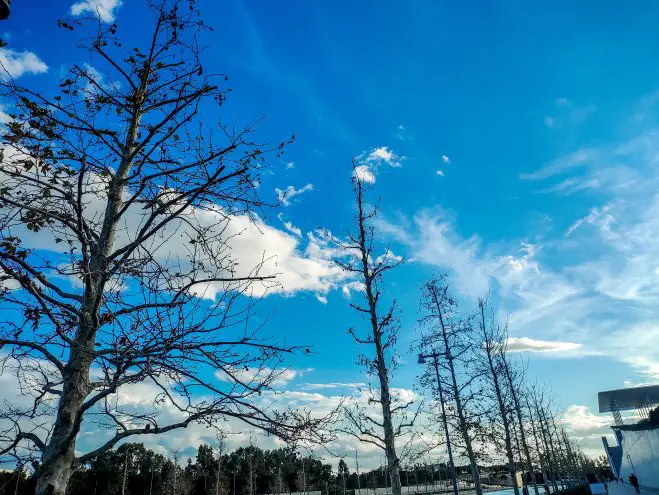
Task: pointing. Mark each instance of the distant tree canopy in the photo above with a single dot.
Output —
(272, 471)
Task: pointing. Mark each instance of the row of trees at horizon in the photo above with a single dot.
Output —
(133, 469)
(121, 206)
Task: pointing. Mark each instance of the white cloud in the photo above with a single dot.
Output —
(104, 9)
(381, 155)
(275, 377)
(579, 418)
(286, 196)
(440, 173)
(368, 163)
(290, 165)
(321, 298)
(521, 344)
(349, 287)
(293, 229)
(364, 174)
(332, 385)
(446, 159)
(299, 263)
(15, 64)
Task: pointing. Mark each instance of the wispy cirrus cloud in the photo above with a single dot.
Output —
(287, 196)
(589, 288)
(566, 113)
(526, 344)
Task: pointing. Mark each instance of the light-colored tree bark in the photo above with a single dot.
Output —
(119, 175)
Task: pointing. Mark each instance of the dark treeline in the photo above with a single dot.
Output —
(245, 471)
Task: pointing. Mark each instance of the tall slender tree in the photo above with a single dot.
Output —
(515, 384)
(489, 345)
(452, 334)
(376, 344)
(117, 212)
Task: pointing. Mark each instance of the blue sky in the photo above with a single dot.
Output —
(541, 118)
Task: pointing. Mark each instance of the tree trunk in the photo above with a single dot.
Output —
(59, 454)
(543, 466)
(458, 404)
(387, 422)
(465, 434)
(520, 420)
(549, 448)
(503, 410)
(380, 358)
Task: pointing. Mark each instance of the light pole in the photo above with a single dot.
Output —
(422, 360)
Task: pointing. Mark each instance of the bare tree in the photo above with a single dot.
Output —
(378, 342)
(451, 334)
(117, 211)
(540, 450)
(515, 385)
(540, 409)
(490, 349)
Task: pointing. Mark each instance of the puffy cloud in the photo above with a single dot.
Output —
(286, 196)
(381, 155)
(368, 163)
(364, 174)
(15, 64)
(579, 418)
(446, 159)
(104, 9)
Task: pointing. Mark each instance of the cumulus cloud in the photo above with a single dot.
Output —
(579, 418)
(521, 344)
(298, 263)
(287, 195)
(381, 155)
(364, 174)
(368, 163)
(104, 9)
(15, 64)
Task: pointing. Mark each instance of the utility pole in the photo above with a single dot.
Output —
(422, 360)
